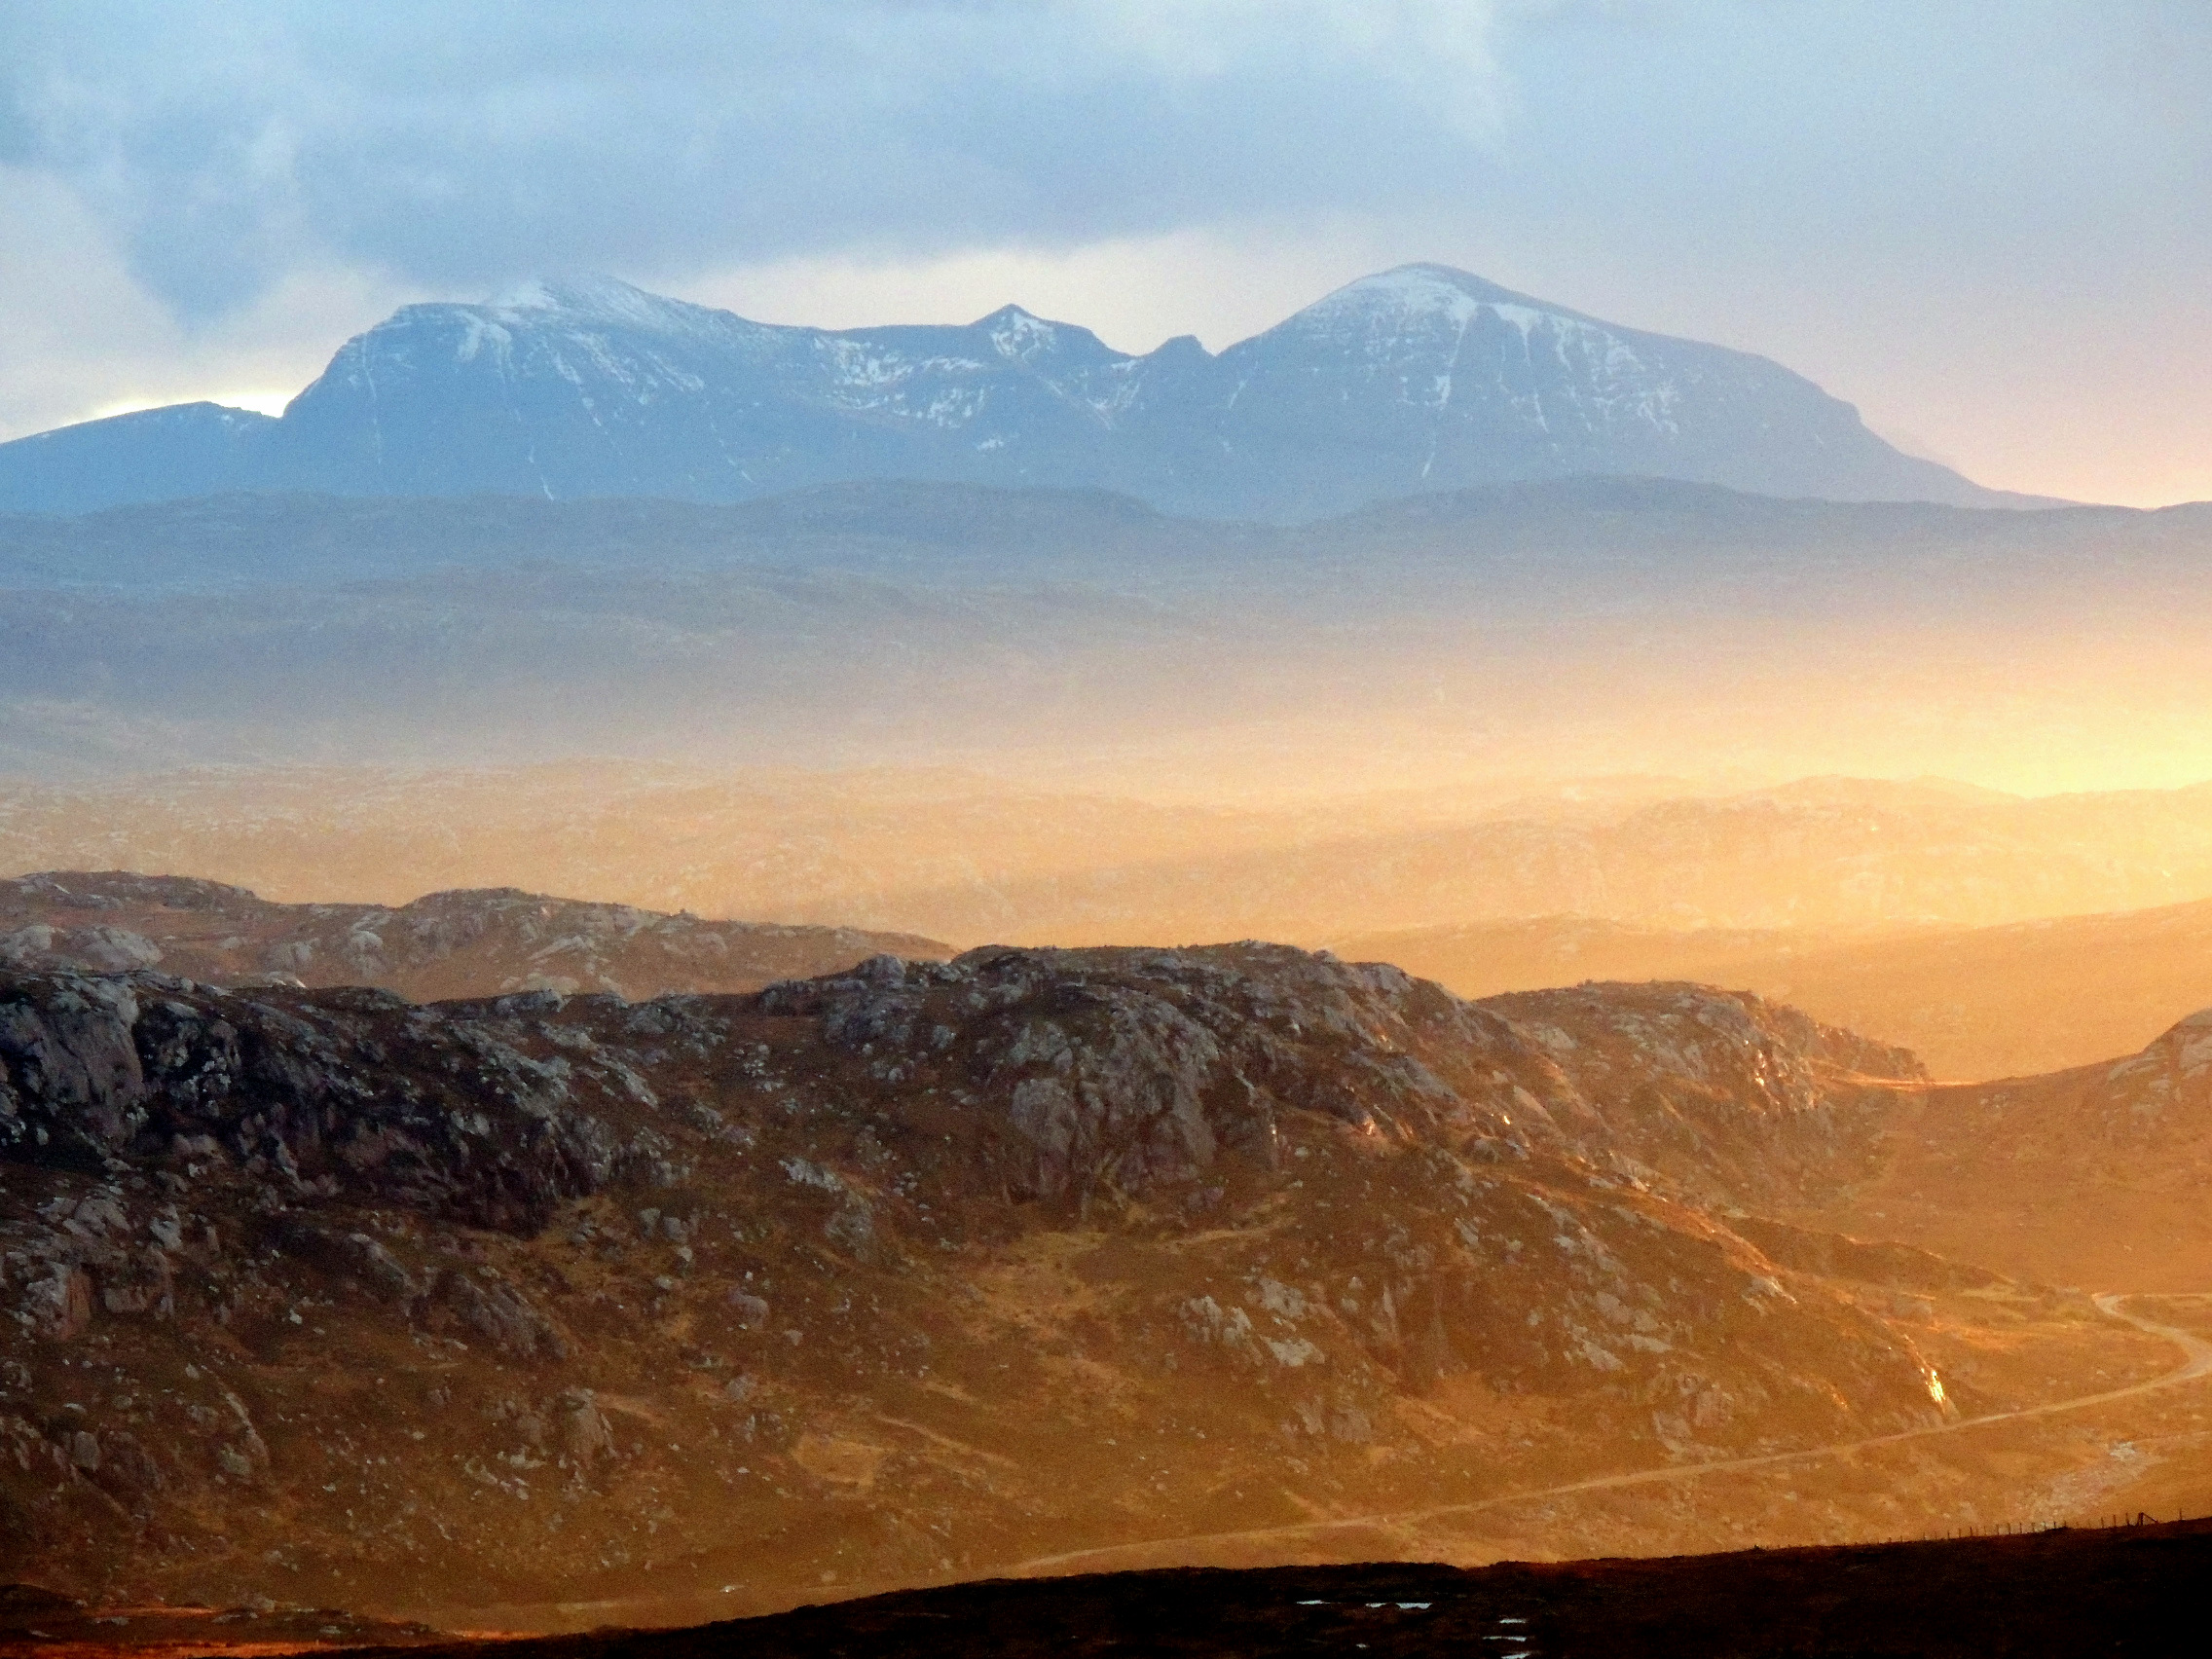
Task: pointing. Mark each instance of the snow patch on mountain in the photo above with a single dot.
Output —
(1019, 335)
(1415, 379)
(602, 302)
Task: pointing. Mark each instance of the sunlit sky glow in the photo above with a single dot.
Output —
(1983, 225)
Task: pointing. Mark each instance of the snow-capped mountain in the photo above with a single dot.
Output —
(1422, 378)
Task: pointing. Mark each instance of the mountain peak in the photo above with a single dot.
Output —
(1021, 335)
(1422, 290)
(588, 297)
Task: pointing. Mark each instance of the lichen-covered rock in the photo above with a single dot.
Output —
(58, 1307)
(585, 1436)
(748, 1312)
(500, 1314)
(70, 1077)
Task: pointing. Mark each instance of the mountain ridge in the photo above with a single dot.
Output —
(1415, 379)
(455, 942)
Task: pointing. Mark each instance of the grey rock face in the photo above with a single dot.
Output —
(502, 1315)
(1127, 1070)
(1418, 378)
(68, 1065)
(60, 1306)
(349, 1091)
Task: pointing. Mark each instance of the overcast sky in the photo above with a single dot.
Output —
(1986, 222)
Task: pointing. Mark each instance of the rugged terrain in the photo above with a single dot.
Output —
(908, 1273)
(445, 944)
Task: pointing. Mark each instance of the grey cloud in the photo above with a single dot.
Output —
(1721, 166)
(454, 146)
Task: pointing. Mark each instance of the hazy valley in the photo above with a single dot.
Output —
(412, 1180)
(1989, 934)
(1541, 632)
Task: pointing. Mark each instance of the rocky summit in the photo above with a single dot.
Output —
(910, 1272)
(1419, 378)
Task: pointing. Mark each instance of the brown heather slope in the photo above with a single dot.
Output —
(2011, 1001)
(912, 1273)
(2095, 1176)
(445, 944)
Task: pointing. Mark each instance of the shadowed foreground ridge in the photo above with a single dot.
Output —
(2052, 1594)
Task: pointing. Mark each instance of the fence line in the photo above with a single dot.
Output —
(2027, 1528)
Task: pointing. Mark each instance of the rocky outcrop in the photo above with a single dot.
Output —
(2164, 1092)
(349, 1091)
(1739, 1099)
(1124, 1069)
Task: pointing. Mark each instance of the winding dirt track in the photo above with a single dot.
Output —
(2197, 1362)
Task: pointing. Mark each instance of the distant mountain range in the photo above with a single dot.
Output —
(1414, 379)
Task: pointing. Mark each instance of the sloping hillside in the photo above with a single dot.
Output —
(903, 1273)
(2091, 1176)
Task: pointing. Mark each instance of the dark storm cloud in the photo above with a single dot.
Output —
(449, 145)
